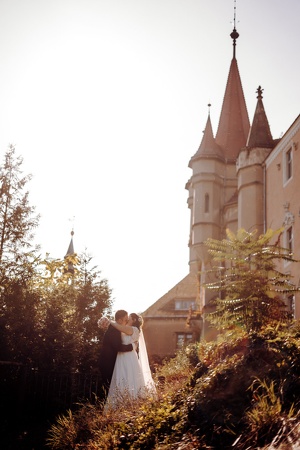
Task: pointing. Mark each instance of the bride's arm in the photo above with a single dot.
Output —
(127, 329)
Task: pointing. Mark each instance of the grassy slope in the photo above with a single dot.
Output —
(241, 392)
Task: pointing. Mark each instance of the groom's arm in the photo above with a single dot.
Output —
(116, 341)
(126, 348)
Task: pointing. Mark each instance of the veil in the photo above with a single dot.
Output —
(144, 362)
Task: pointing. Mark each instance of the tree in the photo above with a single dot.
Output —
(18, 262)
(71, 303)
(17, 219)
(48, 309)
(19, 335)
(251, 286)
(93, 298)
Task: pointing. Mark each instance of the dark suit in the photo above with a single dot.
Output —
(112, 344)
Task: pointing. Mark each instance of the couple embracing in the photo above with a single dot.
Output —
(124, 361)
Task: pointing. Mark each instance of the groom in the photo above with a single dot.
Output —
(111, 345)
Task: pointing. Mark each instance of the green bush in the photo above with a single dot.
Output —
(242, 391)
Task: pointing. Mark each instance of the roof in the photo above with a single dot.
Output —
(208, 147)
(186, 288)
(260, 134)
(70, 250)
(234, 122)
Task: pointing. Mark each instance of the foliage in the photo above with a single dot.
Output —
(48, 308)
(17, 220)
(50, 321)
(63, 433)
(135, 425)
(181, 364)
(244, 393)
(18, 262)
(247, 277)
(267, 408)
(18, 323)
(266, 416)
(228, 396)
(72, 302)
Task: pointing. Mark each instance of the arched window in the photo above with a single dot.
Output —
(206, 203)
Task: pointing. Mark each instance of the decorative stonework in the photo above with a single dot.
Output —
(289, 219)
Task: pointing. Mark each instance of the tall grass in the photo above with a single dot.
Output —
(241, 392)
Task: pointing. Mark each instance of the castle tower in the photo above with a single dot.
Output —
(213, 184)
(205, 191)
(250, 171)
(213, 202)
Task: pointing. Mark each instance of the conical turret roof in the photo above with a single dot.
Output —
(70, 250)
(260, 134)
(234, 122)
(208, 147)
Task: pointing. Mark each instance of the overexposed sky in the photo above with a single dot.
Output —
(106, 101)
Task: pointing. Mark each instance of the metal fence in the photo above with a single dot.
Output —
(23, 389)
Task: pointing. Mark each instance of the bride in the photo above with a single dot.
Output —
(132, 375)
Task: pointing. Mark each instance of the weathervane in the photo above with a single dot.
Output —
(234, 35)
(72, 220)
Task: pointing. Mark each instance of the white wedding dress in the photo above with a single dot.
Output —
(132, 376)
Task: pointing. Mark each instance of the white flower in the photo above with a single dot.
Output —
(103, 322)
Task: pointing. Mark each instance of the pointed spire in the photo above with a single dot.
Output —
(208, 146)
(234, 122)
(260, 134)
(70, 250)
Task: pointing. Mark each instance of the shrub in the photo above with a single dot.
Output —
(243, 393)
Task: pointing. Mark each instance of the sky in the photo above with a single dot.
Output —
(106, 101)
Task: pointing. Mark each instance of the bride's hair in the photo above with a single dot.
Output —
(137, 320)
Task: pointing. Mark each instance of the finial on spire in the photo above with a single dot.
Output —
(259, 92)
(234, 13)
(72, 220)
(209, 105)
(234, 35)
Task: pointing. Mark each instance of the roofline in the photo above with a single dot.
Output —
(291, 131)
(166, 317)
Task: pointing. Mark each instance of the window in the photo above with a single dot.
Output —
(291, 304)
(184, 305)
(289, 239)
(288, 164)
(183, 339)
(206, 203)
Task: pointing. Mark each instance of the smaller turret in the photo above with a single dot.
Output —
(208, 147)
(205, 195)
(250, 170)
(260, 134)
